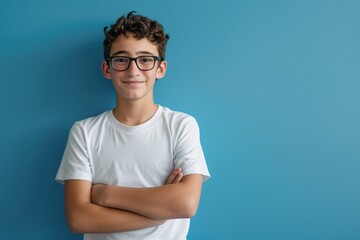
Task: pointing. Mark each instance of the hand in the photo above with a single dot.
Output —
(175, 176)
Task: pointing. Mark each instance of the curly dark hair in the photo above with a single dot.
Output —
(139, 27)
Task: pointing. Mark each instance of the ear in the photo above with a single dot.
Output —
(161, 70)
(106, 70)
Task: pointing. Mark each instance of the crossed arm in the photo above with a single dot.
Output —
(103, 208)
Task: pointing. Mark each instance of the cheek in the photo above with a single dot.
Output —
(117, 78)
(151, 76)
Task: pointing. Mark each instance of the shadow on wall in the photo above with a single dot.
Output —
(67, 86)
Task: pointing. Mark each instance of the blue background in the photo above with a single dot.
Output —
(274, 86)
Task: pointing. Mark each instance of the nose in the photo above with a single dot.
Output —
(133, 68)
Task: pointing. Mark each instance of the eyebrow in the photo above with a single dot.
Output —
(128, 53)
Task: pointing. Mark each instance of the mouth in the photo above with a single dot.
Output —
(133, 83)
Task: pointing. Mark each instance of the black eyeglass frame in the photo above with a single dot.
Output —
(156, 58)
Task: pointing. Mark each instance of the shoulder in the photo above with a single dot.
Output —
(91, 123)
(178, 118)
(180, 122)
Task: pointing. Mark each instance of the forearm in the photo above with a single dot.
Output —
(91, 218)
(83, 216)
(166, 202)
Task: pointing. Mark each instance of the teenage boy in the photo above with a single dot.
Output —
(134, 172)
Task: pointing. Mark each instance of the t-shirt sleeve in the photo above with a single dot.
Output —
(75, 163)
(188, 153)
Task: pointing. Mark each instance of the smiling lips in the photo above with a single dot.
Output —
(133, 83)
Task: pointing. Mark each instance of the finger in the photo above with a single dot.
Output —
(178, 178)
(171, 178)
(173, 175)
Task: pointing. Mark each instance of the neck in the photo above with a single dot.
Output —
(133, 113)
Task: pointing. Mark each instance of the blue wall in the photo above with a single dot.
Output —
(275, 86)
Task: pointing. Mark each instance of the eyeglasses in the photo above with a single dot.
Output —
(144, 63)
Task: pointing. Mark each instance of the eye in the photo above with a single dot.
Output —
(120, 60)
(146, 60)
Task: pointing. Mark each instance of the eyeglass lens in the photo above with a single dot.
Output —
(143, 62)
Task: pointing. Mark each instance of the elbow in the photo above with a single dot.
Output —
(74, 229)
(77, 222)
(188, 214)
(184, 208)
(189, 208)
(191, 211)
(74, 224)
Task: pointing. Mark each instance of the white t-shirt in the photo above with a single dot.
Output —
(102, 150)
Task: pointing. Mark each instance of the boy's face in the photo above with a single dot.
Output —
(133, 83)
